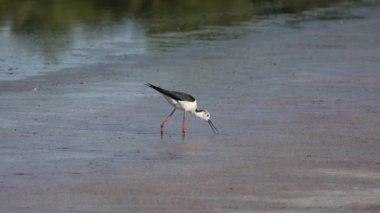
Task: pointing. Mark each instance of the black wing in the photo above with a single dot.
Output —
(179, 96)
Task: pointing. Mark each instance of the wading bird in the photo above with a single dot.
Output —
(184, 102)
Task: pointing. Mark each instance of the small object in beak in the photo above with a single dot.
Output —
(213, 127)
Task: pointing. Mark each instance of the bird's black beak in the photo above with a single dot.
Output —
(213, 127)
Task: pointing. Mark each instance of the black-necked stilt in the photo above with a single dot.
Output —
(184, 102)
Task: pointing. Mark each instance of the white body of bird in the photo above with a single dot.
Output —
(182, 105)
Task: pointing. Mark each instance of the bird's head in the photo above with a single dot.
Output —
(205, 115)
(202, 114)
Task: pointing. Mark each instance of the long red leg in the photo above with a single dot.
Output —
(166, 120)
(184, 123)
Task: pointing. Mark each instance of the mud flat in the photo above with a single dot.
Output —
(297, 105)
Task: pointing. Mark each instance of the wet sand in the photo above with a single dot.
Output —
(298, 110)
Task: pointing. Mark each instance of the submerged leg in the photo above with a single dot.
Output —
(166, 120)
(184, 123)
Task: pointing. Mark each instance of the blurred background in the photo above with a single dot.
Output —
(38, 36)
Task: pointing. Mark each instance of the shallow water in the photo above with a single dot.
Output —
(40, 37)
(297, 108)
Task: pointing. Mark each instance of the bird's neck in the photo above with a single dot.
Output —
(196, 113)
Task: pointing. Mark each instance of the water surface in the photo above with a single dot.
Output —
(43, 36)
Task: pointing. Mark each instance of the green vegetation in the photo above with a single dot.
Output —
(50, 27)
(157, 16)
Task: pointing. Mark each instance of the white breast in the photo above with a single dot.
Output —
(183, 105)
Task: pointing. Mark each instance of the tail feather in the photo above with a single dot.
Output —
(150, 85)
(158, 89)
(153, 87)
